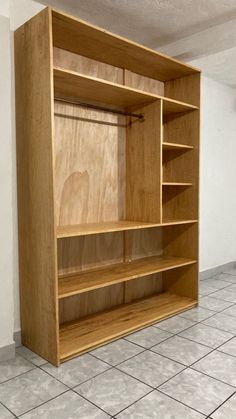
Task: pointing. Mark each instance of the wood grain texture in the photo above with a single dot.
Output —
(167, 146)
(77, 254)
(182, 240)
(93, 331)
(185, 89)
(80, 37)
(76, 230)
(71, 85)
(143, 201)
(37, 238)
(90, 166)
(143, 83)
(70, 61)
(99, 278)
(95, 301)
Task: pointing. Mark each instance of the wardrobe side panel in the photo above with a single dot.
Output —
(37, 240)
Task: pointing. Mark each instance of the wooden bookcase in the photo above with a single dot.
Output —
(108, 162)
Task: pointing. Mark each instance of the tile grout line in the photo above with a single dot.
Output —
(43, 403)
(221, 405)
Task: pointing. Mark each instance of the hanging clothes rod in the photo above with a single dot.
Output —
(139, 116)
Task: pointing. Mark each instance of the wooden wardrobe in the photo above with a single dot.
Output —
(108, 174)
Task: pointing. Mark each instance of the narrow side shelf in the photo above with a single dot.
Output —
(77, 230)
(114, 274)
(71, 85)
(176, 184)
(176, 146)
(92, 331)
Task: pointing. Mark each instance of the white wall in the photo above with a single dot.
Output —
(217, 174)
(218, 171)
(6, 214)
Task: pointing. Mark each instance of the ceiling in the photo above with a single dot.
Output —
(186, 29)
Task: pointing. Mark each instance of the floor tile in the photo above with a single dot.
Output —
(181, 350)
(216, 283)
(229, 347)
(30, 356)
(113, 391)
(116, 352)
(231, 311)
(4, 413)
(214, 303)
(66, 406)
(197, 314)
(208, 336)
(148, 337)
(205, 289)
(151, 368)
(175, 324)
(158, 406)
(226, 277)
(227, 410)
(223, 322)
(29, 390)
(227, 294)
(197, 390)
(13, 367)
(230, 271)
(218, 365)
(77, 370)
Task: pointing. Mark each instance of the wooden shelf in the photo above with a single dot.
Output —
(80, 37)
(175, 146)
(168, 222)
(112, 226)
(114, 274)
(99, 228)
(176, 184)
(92, 331)
(70, 85)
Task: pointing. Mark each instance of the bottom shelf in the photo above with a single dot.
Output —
(90, 332)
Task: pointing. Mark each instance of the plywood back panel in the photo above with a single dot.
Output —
(90, 165)
(35, 158)
(84, 65)
(185, 89)
(146, 84)
(87, 252)
(91, 302)
(142, 287)
(143, 162)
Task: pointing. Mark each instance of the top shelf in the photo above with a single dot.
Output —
(70, 85)
(80, 37)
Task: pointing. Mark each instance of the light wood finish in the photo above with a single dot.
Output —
(185, 89)
(93, 331)
(81, 253)
(37, 239)
(86, 281)
(99, 228)
(108, 205)
(74, 62)
(143, 83)
(174, 146)
(176, 184)
(95, 301)
(80, 37)
(90, 167)
(71, 85)
(143, 166)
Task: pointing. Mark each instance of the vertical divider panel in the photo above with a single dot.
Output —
(35, 167)
(143, 162)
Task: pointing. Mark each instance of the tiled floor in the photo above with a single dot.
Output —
(181, 368)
